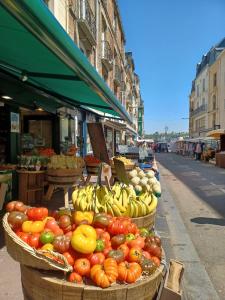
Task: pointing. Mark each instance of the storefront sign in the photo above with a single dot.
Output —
(15, 122)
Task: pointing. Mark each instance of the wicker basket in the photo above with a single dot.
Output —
(92, 168)
(26, 255)
(64, 176)
(49, 285)
(146, 221)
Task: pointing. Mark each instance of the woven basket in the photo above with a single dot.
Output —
(48, 285)
(145, 221)
(26, 255)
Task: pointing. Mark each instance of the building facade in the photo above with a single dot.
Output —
(96, 28)
(207, 98)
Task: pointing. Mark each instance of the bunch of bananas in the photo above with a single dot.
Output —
(120, 201)
(125, 160)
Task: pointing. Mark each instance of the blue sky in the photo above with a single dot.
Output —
(168, 39)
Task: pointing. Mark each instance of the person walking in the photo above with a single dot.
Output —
(198, 151)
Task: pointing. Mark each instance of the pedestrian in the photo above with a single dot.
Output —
(198, 151)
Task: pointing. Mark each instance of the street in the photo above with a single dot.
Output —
(197, 191)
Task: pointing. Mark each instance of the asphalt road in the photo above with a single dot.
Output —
(197, 191)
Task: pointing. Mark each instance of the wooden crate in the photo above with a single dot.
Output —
(31, 186)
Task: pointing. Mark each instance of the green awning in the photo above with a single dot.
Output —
(34, 47)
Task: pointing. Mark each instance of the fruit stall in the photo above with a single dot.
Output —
(83, 254)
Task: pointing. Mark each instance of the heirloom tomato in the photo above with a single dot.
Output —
(37, 213)
(84, 239)
(70, 258)
(97, 258)
(139, 242)
(75, 277)
(134, 255)
(100, 245)
(82, 266)
(16, 206)
(80, 216)
(118, 255)
(16, 219)
(61, 243)
(125, 250)
(129, 272)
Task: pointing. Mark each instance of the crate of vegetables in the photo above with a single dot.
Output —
(106, 255)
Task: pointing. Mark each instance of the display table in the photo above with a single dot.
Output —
(220, 159)
(31, 186)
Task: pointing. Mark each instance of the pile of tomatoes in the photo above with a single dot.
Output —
(99, 247)
(91, 159)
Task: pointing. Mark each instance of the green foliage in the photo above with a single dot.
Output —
(161, 136)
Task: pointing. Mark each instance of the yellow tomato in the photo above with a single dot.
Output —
(37, 226)
(84, 239)
(80, 216)
(26, 226)
(48, 247)
(33, 227)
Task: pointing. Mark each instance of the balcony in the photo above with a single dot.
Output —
(117, 75)
(201, 109)
(107, 56)
(87, 21)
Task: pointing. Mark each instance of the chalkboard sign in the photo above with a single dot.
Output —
(98, 143)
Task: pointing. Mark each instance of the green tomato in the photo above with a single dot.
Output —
(144, 232)
(47, 237)
(130, 237)
(100, 245)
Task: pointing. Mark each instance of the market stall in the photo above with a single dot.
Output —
(219, 134)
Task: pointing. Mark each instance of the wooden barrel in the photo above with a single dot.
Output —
(39, 285)
(146, 221)
(63, 176)
(92, 168)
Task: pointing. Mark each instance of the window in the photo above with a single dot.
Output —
(214, 79)
(197, 90)
(203, 85)
(203, 101)
(214, 102)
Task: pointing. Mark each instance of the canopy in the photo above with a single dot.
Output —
(216, 133)
(36, 49)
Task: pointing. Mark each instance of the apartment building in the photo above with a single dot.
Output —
(207, 98)
(96, 28)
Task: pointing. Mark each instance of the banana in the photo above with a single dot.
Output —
(143, 208)
(153, 204)
(135, 209)
(109, 209)
(117, 203)
(83, 203)
(124, 198)
(116, 210)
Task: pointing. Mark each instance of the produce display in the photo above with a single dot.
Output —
(142, 181)
(32, 162)
(91, 159)
(101, 249)
(46, 152)
(65, 162)
(119, 201)
(125, 160)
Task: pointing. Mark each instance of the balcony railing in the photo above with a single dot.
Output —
(117, 75)
(199, 110)
(107, 55)
(87, 17)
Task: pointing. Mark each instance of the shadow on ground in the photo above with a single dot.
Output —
(211, 221)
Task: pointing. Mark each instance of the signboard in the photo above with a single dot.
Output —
(15, 122)
(98, 143)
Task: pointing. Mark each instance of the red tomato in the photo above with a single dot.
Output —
(24, 236)
(106, 251)
(97, 259)
(125, 250)
(132, 228)
(69, 257)
(146, 254)
(156, 260)
(82, 266)
(69, 234)
(34, 240)
(75, 277)
(134, 255)
(139, 242)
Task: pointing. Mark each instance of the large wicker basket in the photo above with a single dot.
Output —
(49, 285)
(26, 255)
